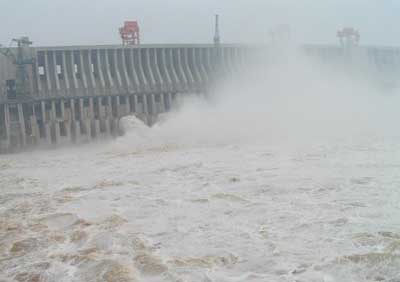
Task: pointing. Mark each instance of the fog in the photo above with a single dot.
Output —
(73, 22)
(292, 100)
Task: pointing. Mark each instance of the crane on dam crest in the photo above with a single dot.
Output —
(18, 88)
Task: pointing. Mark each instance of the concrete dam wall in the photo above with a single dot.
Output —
(80, 93)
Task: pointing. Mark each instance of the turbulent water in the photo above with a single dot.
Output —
(213, 194)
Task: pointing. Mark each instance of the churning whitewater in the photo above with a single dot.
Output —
(295, 181)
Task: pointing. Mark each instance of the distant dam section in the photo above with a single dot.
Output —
(78, 93)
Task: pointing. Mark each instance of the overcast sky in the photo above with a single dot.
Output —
(70, 22)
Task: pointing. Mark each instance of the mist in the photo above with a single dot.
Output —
(291, 99)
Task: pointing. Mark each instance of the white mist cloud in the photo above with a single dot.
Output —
(293, 101)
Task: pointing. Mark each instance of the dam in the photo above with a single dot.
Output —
(78, 93)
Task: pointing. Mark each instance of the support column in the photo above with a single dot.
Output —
(83, 118)
(7, 125)
(55, 126)
(45, 124)
(100, 108)
(135, 104)
(115, 120)
(109, 107)
(35, 137)
(128, 108)
(81, 112)
(153, 108)
(66, 121)
(57, 132)
(75, 124)
(92, 128)
(72, 109)
(91, 109)
(162, 103)
(62, 106)
(99, 122)
(22, 125)
(118, 106)
(53, 111)
(109, 115)
(145, 113)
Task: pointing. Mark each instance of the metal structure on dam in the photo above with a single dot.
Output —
(75, 94)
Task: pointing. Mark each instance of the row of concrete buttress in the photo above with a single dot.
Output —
(326, 54)
(119, 71)
(75, 120)
(384, 60)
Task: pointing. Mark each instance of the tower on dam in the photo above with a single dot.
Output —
(217, 39)
(349, 37)
(130, 33)
(18, 88)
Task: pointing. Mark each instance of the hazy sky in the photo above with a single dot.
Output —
(69, 22)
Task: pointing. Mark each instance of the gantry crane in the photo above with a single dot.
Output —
(349, 37)
(19, 88)
(130, 33)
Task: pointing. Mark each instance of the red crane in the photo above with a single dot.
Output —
(130, 33)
